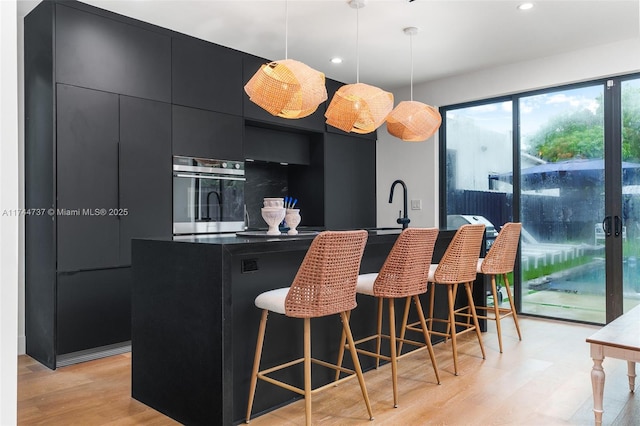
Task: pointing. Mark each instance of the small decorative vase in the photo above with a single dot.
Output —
(292, 218)
(273, 202)
(273, 216)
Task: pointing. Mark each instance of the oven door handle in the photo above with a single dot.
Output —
(186, 175)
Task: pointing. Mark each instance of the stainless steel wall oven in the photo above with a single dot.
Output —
(208, 195)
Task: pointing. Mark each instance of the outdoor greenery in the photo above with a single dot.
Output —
(580, 134)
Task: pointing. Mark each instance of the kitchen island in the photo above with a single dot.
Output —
(194, 323)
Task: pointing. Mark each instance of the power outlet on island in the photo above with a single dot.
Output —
(416, 204)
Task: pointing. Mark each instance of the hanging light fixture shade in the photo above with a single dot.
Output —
(287, 88)
(413, 121)
(359, 108)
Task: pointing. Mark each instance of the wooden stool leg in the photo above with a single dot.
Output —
(405, 320)
(451, 327)
(513, 306)
(392, 348)
(472, 307)
(307, 370)
(379, 331)
(455, 296)
(256, 362)
(432, 294)
(427, 336)
(496, 310)
(343, 341)
(356, 362)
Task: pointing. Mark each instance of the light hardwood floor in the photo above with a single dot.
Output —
(543, 380)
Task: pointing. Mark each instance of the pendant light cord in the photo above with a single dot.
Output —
(357, 44)
(411, 49)
(286, 29)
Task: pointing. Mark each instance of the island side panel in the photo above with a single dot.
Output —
(177, 325)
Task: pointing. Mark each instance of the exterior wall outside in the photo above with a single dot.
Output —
(417, 163)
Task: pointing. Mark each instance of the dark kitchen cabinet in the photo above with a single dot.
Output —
(87, 178)
(207, 134)
(350, 182)
(314, 122)
(277, 146)
(101, 53)
(113, 179)
(111, 186)
(205, 75)
(145, 180)
(94, 309)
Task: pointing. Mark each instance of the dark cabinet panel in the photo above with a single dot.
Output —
(94, 309)
(87, 175)
(205, 75)
(252, 111)
(145, 172)
(332, 88)
(276, 145)
(350, 182)
(101, 53)
(207, 134)
(39, 183)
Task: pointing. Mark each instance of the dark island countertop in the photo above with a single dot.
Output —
(194, 323)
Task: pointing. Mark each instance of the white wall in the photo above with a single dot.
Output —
(416, 163)
(9, 199)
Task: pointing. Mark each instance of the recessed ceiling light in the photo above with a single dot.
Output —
(336, 60)
(525, 6)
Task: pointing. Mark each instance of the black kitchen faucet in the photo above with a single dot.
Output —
(402, 219)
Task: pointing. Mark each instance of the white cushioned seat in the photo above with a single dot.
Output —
(432, 272)
(479, 268)
(273, 300)
(365, 283)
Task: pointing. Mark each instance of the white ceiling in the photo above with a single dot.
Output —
(455, 36)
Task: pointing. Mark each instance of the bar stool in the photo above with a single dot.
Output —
(402, 276)
(457, 266)
(500, 260)
(325, 284)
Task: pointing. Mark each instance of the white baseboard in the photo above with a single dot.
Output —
(22, 345)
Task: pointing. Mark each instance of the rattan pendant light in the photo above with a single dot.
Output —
(359, 108)
(287, 88)
(413, 121)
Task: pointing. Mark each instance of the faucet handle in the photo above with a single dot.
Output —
(404, 221)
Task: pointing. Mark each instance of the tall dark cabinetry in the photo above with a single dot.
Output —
(108, 101)
(89, 174)
(350, 181)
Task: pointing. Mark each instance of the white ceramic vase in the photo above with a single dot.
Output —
(273, 216)
(292, 218)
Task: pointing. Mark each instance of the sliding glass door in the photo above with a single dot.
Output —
(630, 136)
(562, 203)
(573, 180)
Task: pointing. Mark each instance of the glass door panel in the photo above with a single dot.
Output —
(479, 146)
(562, 204)
(631, 192)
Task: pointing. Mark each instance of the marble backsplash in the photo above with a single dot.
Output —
(263, 180)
